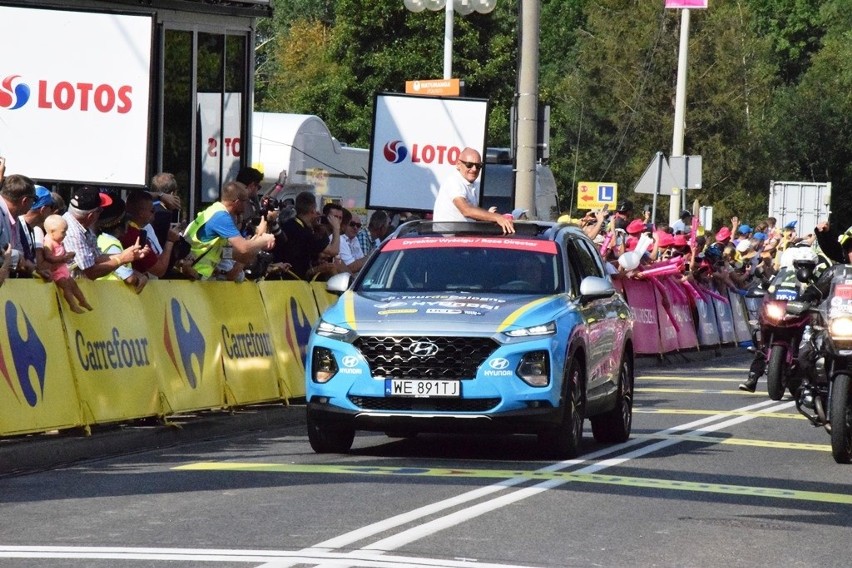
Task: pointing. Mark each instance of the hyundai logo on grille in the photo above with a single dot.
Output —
(350, 361)
(498, 364)
(423, 349)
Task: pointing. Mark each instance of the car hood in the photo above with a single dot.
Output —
(454, 312)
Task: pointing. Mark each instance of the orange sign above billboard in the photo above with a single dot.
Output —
(434, 87)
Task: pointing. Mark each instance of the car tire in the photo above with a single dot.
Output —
(329, 439)
(613, 427)
(563, 440)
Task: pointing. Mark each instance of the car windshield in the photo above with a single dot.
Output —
(472, 264)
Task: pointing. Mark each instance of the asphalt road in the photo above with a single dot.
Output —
(712, 476)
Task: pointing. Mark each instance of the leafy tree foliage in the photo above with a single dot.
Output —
(768, 84)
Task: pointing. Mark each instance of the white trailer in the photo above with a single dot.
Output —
(807, 203)
(315, 160)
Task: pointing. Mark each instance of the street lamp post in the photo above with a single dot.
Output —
(463, 7)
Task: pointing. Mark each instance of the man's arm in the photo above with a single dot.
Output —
(246, 249)
(480, 214)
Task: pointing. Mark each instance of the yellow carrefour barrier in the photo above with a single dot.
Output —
(112, 354)
(178, 346)
(292, 312)
(37, 391)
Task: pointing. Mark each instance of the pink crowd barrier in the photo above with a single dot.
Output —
(671, 315)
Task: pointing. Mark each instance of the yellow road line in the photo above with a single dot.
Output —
(538, 475)
(738, 442)
(689, 411)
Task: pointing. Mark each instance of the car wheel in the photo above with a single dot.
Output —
(563, 440)
(328, 439)
(614, 426)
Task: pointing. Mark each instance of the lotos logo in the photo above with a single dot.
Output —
(67, 95)
(190, 342)
(28, 355)
(395, 152)
(13, 98)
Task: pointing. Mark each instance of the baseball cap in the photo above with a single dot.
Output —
(635, 226)
(723, 234)
(113, 214)
(88, 198)
(516, 213)
(43, 198)
(685, 213)
(625, 206)
(790, 225)
(759, 236)
(744, 229)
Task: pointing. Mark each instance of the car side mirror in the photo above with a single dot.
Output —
(595, 287)
(338, 283)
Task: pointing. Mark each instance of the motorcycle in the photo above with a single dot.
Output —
(825, 396)
(782, 332)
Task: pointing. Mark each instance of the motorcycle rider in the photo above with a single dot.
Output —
(836, 249)
(808, 265)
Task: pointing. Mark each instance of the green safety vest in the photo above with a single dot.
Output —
(105, 241)
(205, 255)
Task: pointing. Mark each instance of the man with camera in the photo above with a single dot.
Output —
(305, 242)
(214, 233)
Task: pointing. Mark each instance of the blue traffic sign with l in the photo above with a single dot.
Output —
(606, 193)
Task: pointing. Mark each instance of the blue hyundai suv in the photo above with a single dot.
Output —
(454, 327)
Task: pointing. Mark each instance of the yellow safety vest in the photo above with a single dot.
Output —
(105, 241)
(205, 255)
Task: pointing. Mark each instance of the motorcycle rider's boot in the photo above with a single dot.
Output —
(750, 383)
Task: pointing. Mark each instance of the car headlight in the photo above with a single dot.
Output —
(534, 368)
(840, 329)
(323, 365)
(338, 332)
(533, 331)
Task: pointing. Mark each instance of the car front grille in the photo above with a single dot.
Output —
(450, 358)
(424, 405)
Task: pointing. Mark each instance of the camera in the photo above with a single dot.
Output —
(257, 269)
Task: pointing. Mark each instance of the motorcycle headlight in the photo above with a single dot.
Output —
(775, 311)
(533, 331)
(840, 329)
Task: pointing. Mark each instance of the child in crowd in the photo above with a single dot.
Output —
(55, 228)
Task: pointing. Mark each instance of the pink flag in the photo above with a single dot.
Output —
(686, 3)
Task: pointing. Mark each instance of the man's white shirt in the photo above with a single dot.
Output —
(454, 186)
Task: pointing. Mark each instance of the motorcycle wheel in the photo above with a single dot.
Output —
(775, 372)
(841, 419)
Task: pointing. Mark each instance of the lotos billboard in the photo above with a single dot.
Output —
(74, 95)
(415, 144)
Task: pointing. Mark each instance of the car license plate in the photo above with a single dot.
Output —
(422, 388)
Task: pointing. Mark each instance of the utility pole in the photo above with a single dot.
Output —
(527, 127)
(675, 204)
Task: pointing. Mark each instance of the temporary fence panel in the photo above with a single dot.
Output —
(37, 392)
(646, 325)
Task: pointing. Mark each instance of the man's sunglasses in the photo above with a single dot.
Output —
(354, 225)
(471, 165)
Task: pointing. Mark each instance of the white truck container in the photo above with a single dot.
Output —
(314, 160)
(498, 186)
(807, 203)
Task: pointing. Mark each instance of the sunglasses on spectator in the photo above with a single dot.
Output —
(354, 225)
(471, 165)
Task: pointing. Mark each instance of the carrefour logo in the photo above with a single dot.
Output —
(189, 339)
(67, 95)
(395, 152)
(28, 356)
(13, 96)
